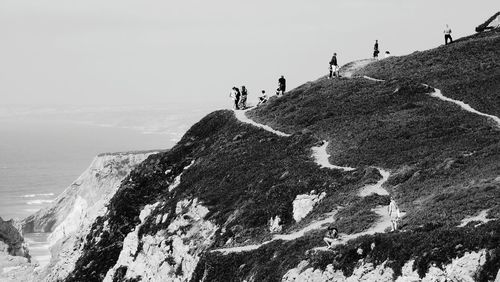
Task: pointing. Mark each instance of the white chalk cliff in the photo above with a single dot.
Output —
(71, 215)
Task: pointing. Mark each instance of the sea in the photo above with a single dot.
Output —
(44, 149)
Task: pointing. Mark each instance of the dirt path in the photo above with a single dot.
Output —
(284, 237)
(321, 158)
(348, 70)
(241, 116)
(377, 187)
(437, 94)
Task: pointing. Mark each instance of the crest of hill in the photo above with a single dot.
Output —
(444, 165)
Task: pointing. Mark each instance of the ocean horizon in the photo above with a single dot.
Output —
(43, 150)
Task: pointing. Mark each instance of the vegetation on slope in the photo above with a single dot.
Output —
(444, 166)
(243, 174)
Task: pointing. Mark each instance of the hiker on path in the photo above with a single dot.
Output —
(334, 67)
(235, 95)
(375, 50)
(394, 214)
(262, 98)
(331, 236)
(281, 85)
(447, 35)
(243, 98)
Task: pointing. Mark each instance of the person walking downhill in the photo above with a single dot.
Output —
(235, 95)
(375, 50)
(243, 98)
(282, 85)
(394, 214)
(334, 67)
(447, 35)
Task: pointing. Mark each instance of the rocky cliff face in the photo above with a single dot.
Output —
(71, 216)
(14, 254)
(11, 240)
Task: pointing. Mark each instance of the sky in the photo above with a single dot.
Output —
(190, 53)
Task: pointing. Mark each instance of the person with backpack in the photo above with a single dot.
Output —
(375, 50)
(447, 35)
(281, 85)
(243, 98)
(235, 95)
(334, 67)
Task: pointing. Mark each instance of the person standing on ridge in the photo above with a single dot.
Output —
(334, 67)
(375, 50)
(235, 95)
(394, 214)
(243, 99)
(282, 85)
(447, 35)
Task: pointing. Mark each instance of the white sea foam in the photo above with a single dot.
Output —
(39, 202)
(38, 195)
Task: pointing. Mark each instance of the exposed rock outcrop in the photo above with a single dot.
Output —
(70, 217)
(14, 256)
(304, 204)
(11, 240)
(460, 269)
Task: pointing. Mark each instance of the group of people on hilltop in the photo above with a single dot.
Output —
(240, 96)
(334, 66)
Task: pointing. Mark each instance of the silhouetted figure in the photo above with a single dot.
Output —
(243, 98)
(282, 85)
(375, 50)
(447, 35)
(334, 67)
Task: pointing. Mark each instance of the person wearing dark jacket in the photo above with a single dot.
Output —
(281, 85)
(243, 98)
(447, 35)
(375, 50)
(334, 67)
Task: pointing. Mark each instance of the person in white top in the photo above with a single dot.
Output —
(387, 54)
(394, 214)
(447, 35)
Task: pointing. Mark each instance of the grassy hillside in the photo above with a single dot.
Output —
(444, 163)
(467, 70)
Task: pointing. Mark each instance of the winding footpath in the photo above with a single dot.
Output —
(320, 156)
(284, 237)
(439, 95)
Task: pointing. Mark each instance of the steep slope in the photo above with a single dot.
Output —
(71, 215)
(239, 200)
